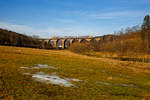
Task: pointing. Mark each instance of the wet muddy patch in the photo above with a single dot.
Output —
(121, 84)
(39, 66)
(26, 73)
(114, 74)
(25, 68)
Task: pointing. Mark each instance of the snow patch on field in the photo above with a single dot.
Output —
(53, 79)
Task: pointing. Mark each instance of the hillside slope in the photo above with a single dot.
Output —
(15, 39)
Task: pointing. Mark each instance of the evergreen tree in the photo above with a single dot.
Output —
(146, 23)
(145, 34)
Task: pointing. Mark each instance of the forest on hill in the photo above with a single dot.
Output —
(131, 42)
(15, 39)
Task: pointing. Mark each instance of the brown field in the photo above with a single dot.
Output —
(101, 78)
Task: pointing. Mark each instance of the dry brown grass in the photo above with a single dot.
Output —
(89, 69)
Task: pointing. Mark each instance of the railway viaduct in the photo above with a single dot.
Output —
(66, 42)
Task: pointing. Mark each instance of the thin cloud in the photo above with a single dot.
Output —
(25, 29)
(17, 28)
(51, 31)
(119, 14)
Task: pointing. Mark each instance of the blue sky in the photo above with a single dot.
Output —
(48, 18)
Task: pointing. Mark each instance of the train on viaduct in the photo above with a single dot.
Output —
(66, 42)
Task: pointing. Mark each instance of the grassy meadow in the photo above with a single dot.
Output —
(102, 79)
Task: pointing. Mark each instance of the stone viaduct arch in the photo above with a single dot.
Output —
(51, 43)
(65, 43)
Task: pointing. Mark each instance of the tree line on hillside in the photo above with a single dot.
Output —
(126, 42)
(15, 39)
